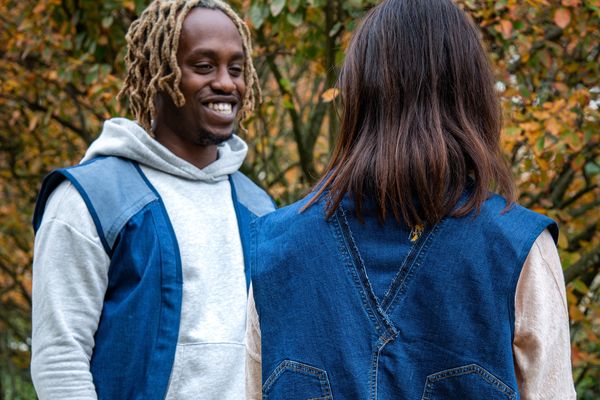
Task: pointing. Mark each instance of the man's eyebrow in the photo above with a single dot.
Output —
(214, 54)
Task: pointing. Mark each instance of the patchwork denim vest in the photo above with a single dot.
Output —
(440, 326)
(137, 334)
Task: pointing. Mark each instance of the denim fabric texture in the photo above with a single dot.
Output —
(439, 325)
(138, 330)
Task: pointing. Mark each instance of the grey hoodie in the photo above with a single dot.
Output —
(71, 267)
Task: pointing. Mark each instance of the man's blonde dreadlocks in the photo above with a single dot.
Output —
(152, 42)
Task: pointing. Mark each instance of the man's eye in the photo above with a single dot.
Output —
(203, 67)
(236, 70)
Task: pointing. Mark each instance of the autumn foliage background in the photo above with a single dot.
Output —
(61, 64)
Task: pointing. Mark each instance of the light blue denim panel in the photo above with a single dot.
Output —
(256, 200)
(120, 195)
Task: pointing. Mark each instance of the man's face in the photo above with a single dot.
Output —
(211, 59)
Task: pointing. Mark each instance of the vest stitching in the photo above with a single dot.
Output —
(373, 374)
(375, 366)
(412, 262)
(162, 210)
(305, 369)
(342, 249)
(160, 309)
(356, 265)
(113, 231)
(465, 370)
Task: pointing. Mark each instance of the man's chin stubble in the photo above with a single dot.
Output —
(211, 139)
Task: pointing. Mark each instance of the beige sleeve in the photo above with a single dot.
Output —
(541, 347)
(253, 363)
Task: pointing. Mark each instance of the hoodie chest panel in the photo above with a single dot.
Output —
(214, 287)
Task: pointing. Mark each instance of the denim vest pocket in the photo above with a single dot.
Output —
(469, 382)
(297, 381)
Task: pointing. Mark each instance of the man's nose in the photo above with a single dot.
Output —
(223, 81)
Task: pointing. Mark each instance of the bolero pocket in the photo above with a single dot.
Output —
(469, 382)
(292, 380)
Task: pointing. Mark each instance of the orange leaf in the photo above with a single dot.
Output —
(562, 17)
(329, 95)
(506, 28)
(553, 126)
(561, 87)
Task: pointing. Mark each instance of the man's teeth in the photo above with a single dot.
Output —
(223, 108)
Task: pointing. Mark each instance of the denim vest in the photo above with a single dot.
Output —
(441, 328)
(137, 333)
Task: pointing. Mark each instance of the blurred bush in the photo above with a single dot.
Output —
(61, 62)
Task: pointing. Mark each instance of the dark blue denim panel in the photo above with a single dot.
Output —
(355, 266)
(382, 246)
(144, 280)
(295, 380)
(317, 277)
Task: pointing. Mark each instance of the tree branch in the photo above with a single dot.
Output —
(306, 161)
(82, 133)
(589, 260)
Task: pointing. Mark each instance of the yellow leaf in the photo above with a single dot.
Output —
(563, 242)
(541, 115)
(33, 122)
(562, 17)
(329, 95)
(541, 162)
(530, 126)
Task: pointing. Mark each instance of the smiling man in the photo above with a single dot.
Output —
(139, 280)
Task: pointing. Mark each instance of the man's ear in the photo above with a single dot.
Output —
(159, 101)
(159, 104)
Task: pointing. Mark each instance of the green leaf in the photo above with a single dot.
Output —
(295, 19)
(293, 5)
(512, 131)
(286, 84)
(107, 22)
(140, 5)
(317, 3)
(277, 7)
(592, 168)
(92, 75)
(257, 15)
(580, 287)
(287, 103)
(336, 28)
(540, 143)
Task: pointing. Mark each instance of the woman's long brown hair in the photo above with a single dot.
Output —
(420, 117)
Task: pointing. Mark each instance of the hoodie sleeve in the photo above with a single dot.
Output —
(70, 277)
(253, 356)
(541, 346)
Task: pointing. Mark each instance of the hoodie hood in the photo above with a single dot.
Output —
(122, 137)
